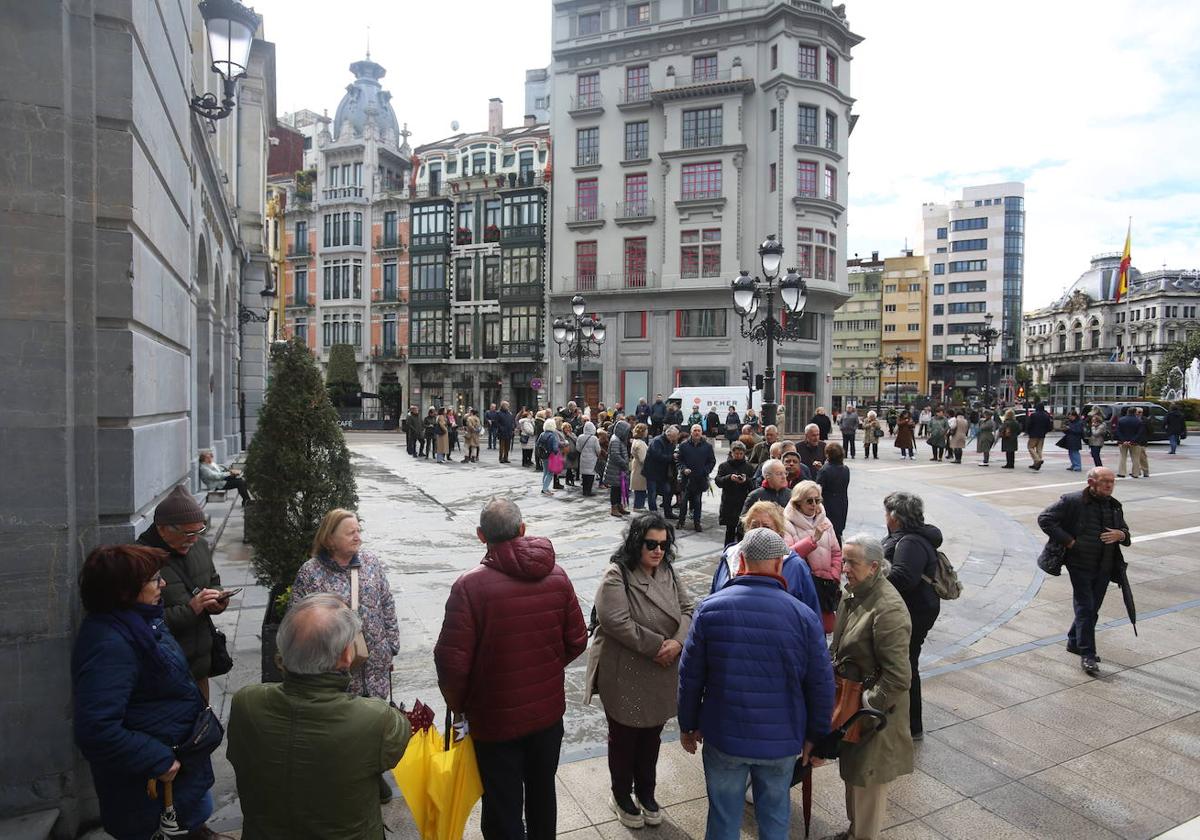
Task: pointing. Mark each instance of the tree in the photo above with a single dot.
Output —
(1179, 356)
(298, 466)
(342, 377)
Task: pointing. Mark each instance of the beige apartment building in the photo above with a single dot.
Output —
(905, 291)
(857, 333)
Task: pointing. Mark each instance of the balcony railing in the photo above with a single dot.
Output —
(807, 138)
(701, 139)
(587, 101)
(522, 232)
(387, 351)
(334, 193)
(586, 213)
(430, 297)
(704, 77)
(431, 240)
(492, 352)
(701, 195)
(388, 241)
(642, 208)
(301, 299)
(428, 351)
(299, 249)
(632, 96)
(637, 152)
(521, 290)
(611, 282)
(388, 294)
(520, 349)
(587, 157)
(430, 190)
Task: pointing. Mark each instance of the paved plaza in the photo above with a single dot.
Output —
(1021, 743)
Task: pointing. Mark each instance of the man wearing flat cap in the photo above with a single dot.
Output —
(193, 587)
(756, 688)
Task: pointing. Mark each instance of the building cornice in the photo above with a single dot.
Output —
(703, 151)
(781, 78)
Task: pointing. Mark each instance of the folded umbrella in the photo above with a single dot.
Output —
(830, 747)
(454, 784)
(1121, 578)
(168, 820)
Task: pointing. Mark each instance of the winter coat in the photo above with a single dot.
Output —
(472, 425)
(1064, 522)
(1174, 423)
(635, 690)
(795, 571)
(637, 459)
(328, 745)
(618, 454)
(192, 632)
(733, 493)
(375, 607)
(985, 438)
(213, 476)
(868, 430)
(763, 493)
(939, 432)
(505, 423)
(413, 425)
(441, 439)
(589, 449)
(1072, 439)
(904, 434)
(1039, 424)
(1010, 430)
(810, 453)
(1128, 428)
(527, 434)
(674, 417)
(913, 554)
(849, 423)
(696, 419)
(642, 413)
(128, 716)
(958, 435)
(733, 426)
(1098, 433)
(658, 411)
(429, 426)
(512, 626)
(870, 637)
(824, 424)
(660, 456)
(823, 554)
(712, 424)
(755, 676)
(835, 490)
(700, 459)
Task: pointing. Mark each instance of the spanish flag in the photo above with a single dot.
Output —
(1123, 274)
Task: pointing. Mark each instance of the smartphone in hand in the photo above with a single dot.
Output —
(229, 593)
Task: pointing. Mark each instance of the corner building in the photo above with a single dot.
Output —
(686, 131)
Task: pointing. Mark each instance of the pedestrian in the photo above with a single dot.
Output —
(939, 434)
(752, 420)
(1097, 434)
(472, 426)
(893, 417)
(957, 442)
(674, 415)
(192, 592)
(712, 426)
(986, 437)
(135, 698)
(810, 534)
(1086, 529)
(924, 419)
(756, 688)
(870, 638)
(872, 432)
(637, 460)
(412, 430)
(1010, 431)
(734, 477)
(658, 413)
(441, 440)
(1175, 425)
(695, 460)
(774, 486)
(848, 423)
(973, 422)
(1140, 445)
(214, 476)
(911, 548)
(1072, 440)
(643, 614)
(489, 423)
(795, 571)
(904, 436)
(452, 428)
(1037, 426)
(761, 451)
(1128, 429)
(733, 425)
(309, 720)
(589, 453)
(642, 412)
(602, 436)
(526, 436)
(812, 448)
(539, 426)
(696, 418)
(512, 695)
(566, 431)
(794, 467)
(505, 425)
(834, 479)
(428, 432)
(660, 458)
(547, 445)
(616, 469)
(823, 423)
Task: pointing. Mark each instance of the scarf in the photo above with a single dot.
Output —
(820, 559)
(134, 625)
(737, 567)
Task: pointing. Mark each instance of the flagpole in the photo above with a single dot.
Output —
(1128, 294)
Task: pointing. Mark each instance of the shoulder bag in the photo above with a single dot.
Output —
(220, 661)
(361, 652)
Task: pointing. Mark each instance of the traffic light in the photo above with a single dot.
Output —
(748, 372)
(758, 382)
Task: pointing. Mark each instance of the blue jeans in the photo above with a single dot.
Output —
(725, 778)
(491, 437)
(1174, 439)
(1073, 454)
(639, 499)
(547, 478)
(654, 489)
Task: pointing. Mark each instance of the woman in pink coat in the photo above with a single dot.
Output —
(811, 535)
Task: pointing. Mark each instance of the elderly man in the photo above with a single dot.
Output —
(848, 424)
(762, 449)
(512, 626)
(812, 448)
(795, 468)
(774, 486)
(307, 755)
(660, 461)
(1087, 529)
(756, 688)
(489, 423)
(193, 588)
(505, 424)
(696, 461)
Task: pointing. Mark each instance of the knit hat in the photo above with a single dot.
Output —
(179, 508)
(738, 445)
(763, 544)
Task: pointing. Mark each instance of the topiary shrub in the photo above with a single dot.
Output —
(341, 379)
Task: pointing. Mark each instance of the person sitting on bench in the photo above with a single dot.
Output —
(216, 477)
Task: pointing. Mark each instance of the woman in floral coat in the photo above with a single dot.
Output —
(335, 554)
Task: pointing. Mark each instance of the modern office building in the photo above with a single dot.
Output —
(857, 334)
(687, 131)
(976, 248)
(905, 292)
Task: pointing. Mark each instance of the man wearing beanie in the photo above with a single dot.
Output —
(756, 688)
(193, 590)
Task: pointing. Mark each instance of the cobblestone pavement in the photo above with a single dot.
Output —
(1021, 743)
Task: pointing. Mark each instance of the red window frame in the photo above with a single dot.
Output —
(704, 68)
(637, 186)
(831, 183)
(700, 180)
(641, 335)
(635, 262)
(637, 83)
(806, 178)
(587, 198)
(831, 67)
(587, 88)
(585, 264)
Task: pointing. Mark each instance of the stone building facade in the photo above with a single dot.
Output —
(905, 333)
(134, 247)
(857, 334)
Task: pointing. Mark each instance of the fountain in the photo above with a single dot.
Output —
(1191, 380)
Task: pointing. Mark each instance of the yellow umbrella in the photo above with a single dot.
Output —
(412, 774)
(454, 787)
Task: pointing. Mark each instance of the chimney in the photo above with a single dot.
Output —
(530, 120)
(495, 115)
(874, 256)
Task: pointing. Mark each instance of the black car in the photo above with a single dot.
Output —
(1153, 413)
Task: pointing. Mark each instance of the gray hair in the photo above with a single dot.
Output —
(811, 427)
(772, 465)
(315, 632)
(500, 520)
(671, 430)
(907, 508)
(872, 550)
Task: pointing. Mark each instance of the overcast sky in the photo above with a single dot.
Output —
(1094, 105)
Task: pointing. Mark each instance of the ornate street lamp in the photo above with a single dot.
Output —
(852, 375)
(231, 27)
(982, 340)
(578, 336)
(749, 292)
(894, 362)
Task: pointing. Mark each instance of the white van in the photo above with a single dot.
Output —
(716, 398)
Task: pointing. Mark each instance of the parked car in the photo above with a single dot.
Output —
(1154, 413)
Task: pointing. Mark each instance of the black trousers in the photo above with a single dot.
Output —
(526, 457)
(922, 623)
(937, 452)
(518, 776)
(693, 500)
(410, 443)
(633, 759)
(1010, 458)
(1088, 589)
(239, 484)
(614, 495)
(426, 446)
(731, 533)
(588, 481)
(867, 447)
(848, 443)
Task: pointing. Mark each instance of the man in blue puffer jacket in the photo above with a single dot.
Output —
(756, 686)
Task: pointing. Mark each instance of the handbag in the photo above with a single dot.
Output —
(878, 432)
(847, 701)
(204, 737)
(829, 594)
(220, 662)
(554, 463)
(361, 651)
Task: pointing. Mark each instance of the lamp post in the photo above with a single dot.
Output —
(983, 339)
(853, 377)
(578, 336)
(231, 27)
(895, 362)
(879, 366)
(748, 294)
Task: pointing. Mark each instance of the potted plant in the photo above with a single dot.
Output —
(463, 236)
(298, 469)
(491, 233)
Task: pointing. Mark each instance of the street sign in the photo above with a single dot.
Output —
(536, 384)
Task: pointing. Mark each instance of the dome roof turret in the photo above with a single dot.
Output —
(365, 96)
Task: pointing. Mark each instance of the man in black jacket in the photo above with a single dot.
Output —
(504, 423)
(412, 430)
(1088, 527)
(696, 460)
(1175, 426)
(733, 477)
(1037, 427)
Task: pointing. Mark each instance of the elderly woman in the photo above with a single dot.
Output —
(985, 437)
(471, 428)
(810, 534)
(958, 436)
(872, 431)
(911, 549)
(135, 698)
(526, 437)
(441, 437)
(834, 479)
(1010, 430)
(588, 445)
(617, 466)
(637, 460)
(644, 614)
(795, 571)
(869, 646)
(939, 433)
(1097, 434)
(905, 440)
(214, 476)
(548, 443)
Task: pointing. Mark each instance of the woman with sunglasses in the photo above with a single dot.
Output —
(811, 535)
(644, 614)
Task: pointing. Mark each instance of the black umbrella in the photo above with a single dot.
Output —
(830, 747)
(1121, 579)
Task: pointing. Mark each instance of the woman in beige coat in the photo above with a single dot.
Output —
(870, 645)
(643, 614)
(637, 458)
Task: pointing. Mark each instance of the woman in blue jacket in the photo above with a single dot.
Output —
(135, 697)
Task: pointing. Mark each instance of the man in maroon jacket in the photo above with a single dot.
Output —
(512, 626)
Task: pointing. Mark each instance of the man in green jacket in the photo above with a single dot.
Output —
(307, 755)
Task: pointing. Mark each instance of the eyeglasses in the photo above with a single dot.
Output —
(184, 533)
(659, 544)
(157, 579)
(811, 499)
